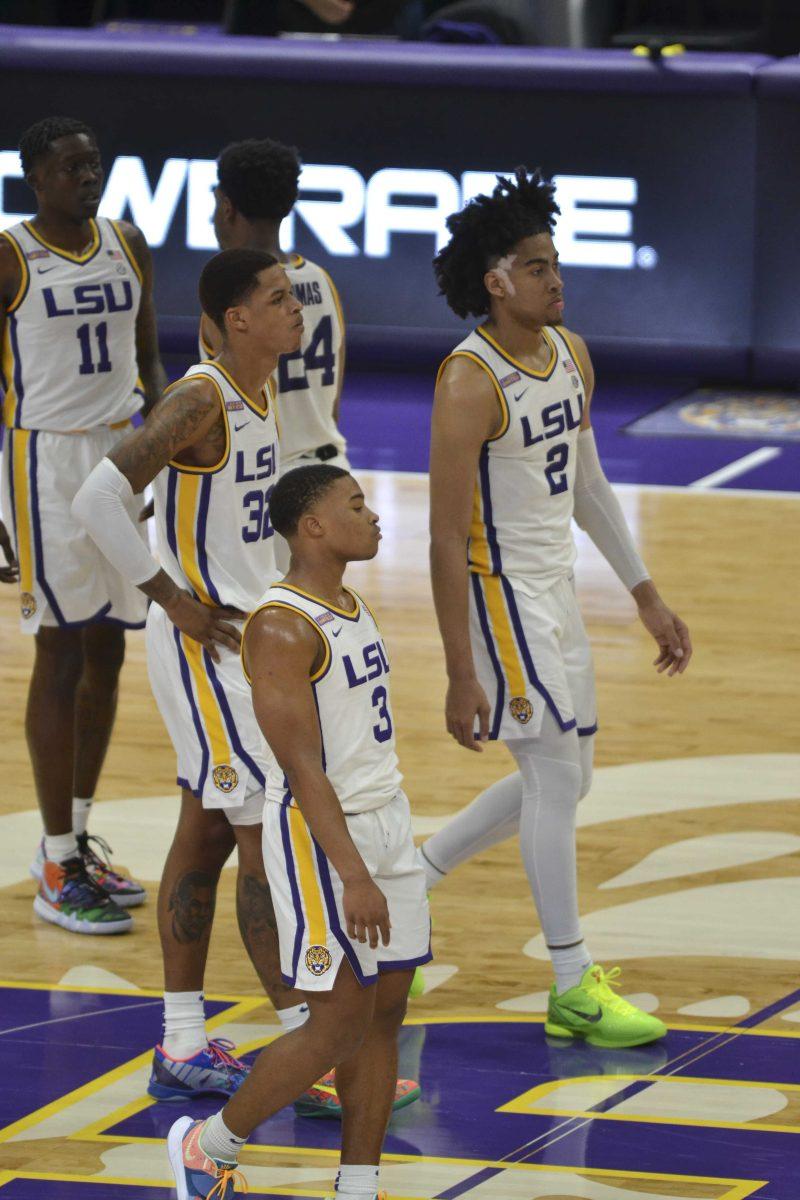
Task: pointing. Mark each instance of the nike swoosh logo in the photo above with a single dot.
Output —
(44, 270)
(592, 1018)
(238, 427)
(522, 393)
(336, 632)
(51, 893)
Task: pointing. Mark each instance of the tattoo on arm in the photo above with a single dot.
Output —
(192, 906)
(182, 418)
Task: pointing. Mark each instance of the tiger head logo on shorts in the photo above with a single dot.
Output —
(521, 709)
(27, 604)
(318, 959)
(225, 778)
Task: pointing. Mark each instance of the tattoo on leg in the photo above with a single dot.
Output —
(259, 929)
(192, 906)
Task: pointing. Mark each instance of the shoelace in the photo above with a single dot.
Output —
(77, 877)
(221, 1053)
(602, 990)
(87, 851)
(225, 1177)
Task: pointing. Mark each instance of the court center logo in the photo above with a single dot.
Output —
(225, 778)
(521, 709)
(776, 415)
(318, 959)
(27, 603)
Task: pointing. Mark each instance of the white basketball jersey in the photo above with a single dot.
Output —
(352, 694)
(69, 346)
(214, 532)
(524, 492)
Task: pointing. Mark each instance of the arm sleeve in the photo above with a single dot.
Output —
(599, 514)
(100, 508)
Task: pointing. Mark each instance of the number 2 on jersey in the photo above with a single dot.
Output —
(84, 336)
(258, 527)
(318, 356)
(556, 469)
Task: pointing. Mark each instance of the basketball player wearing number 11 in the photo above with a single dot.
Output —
(513, 460)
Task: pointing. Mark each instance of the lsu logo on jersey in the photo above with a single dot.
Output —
(318, 959)
(89, 299)
(225, 778)
(521, 709)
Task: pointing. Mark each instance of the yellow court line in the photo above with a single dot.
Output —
(96, 1085)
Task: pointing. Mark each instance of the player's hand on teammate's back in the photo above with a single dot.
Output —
(671, 635)
(10, 572)
(366, 912)
(204, 623)
(466, 701)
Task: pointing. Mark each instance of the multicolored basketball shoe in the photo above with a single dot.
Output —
(125, 892)
(198, 1177)
(592, 1011)
(212, 1072)
(322, 1100)
(69, 897)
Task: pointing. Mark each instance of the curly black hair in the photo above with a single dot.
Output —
(486, 229)
(38, 140)
(297, 491)
(228, 279)
(260, 178)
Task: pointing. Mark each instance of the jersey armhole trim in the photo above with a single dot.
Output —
(321, 671)
(566, 339)
(131, 257)
(183, 467)
(504, 411)
(22, 290)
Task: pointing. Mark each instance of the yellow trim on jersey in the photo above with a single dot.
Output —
(576, 357)
(22, 509)
(261, 412)
(545, 374)
(479, 555)
(26, 273)
(77, 258)
(505, 642)
(350, 616)
(184, 468)
(298, 260)
(209, 706)
(187, 488)
(309, 884)
(326, 662)
(131, 257)
(505, 415)
(10, 398)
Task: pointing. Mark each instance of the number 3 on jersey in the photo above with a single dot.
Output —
(318, 356)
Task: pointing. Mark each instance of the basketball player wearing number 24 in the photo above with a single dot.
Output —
(513, 460)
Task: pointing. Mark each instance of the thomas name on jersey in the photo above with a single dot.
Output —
(307, 293)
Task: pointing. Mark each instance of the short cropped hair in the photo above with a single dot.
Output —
(260, 178)
(37, 141)
(228, 279)
(486, 230)
(297, 491)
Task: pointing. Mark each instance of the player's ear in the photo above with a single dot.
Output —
(236, 319)
(494, 284)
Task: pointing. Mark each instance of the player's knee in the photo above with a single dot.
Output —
(104, 654)
(390, 1011)
(59, 659)
(341, 1037)
(586, 783)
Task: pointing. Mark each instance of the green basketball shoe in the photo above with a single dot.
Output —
(592, 1011)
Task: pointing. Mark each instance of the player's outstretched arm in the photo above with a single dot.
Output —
(188, 414)
(598, 512)
(280, 653)
(10, 283)
(465, 414)
(148, 359)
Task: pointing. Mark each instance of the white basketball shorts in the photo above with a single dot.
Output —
(307, 894)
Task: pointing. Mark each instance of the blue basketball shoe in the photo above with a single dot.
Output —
(198, 1177)
(212, 1072)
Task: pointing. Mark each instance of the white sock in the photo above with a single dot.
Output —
(294, 1017)
(570, 964)
(217, 1141)
(492, 817)
(80, 814)
(184, 1024)
(61, 846)
(357, 1183)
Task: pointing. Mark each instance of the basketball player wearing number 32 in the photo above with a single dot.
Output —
(513, 460)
